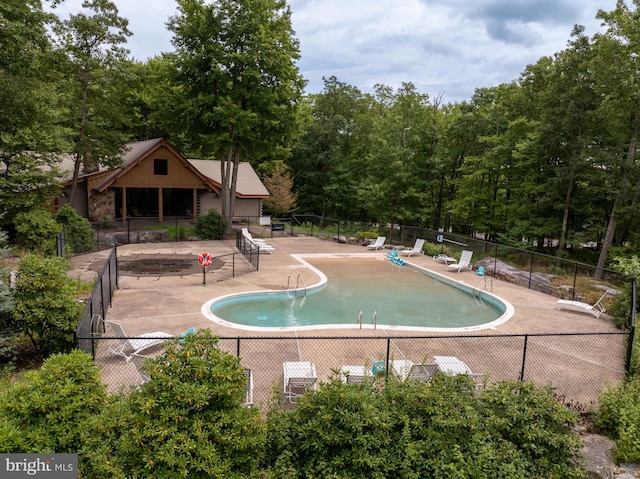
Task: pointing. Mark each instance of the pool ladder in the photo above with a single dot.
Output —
(478, 289)
(295, 285)
(374, 321)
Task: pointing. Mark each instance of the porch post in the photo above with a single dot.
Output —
(125, 213)
(195, 203)
(160, 212)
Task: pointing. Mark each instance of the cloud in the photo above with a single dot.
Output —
(441, 46)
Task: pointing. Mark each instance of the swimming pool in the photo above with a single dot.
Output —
(394, 297)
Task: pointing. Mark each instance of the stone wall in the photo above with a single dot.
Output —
(102, 206)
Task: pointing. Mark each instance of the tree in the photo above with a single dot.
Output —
(410, 429)
(328, 159)
(152, 102)
(46, 310)
(79, 237)
(30, 120)
(235, 62)
(279, 184)
(36, 231)
(621, 45)
(94, 65)
(397, 167)
(7, 305)
(46, 411)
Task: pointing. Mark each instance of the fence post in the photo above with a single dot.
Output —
(524, 356)
(115, 260)
(386, 366)
(238, 347)
(575, 277)
(632, 327)
(530, 269)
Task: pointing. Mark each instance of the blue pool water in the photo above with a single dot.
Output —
(400, 297)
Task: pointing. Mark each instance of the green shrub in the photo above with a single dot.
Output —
(618, 415)
(45, 411)
(77, 231)
(36, 231)
(46, 309)
(211, 226)
(187, 421)
(433, 249)
(390, 428)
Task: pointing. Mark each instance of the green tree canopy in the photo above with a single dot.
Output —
(235, 64)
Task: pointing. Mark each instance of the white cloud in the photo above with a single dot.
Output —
(445, 47)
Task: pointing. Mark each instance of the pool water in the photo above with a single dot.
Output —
(398, 296)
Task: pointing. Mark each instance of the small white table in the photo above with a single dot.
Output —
(451, 365)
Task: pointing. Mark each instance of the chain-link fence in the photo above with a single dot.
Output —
(577, 365)
(538, 271)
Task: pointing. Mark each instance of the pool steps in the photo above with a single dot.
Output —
(295, 286)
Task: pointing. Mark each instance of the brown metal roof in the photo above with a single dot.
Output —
(248, 186)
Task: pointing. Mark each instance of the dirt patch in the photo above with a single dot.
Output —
(159, 265)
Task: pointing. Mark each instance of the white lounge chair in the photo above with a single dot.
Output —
(261, 245)
(379, 243)
(135, 344)
(417, 248)
(249, 236)
(354, 374)
(299, 377)
(596, 308)
(463, 263)
(443, 258)
(264, 247)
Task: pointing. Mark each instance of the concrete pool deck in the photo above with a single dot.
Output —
(144, 303)
(172, 304)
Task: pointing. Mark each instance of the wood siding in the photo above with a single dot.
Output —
(141, 175)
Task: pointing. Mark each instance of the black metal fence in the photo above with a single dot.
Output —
(577, 365)
(547, 273)
(249, 250)
(97, 304)
(536, 270)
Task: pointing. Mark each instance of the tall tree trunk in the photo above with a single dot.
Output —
(621, 197)
(234, 184)
(80, 147)
(226, 158)
(567, 208)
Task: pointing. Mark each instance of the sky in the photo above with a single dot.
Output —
(446, 48)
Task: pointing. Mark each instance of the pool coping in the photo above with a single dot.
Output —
(506, 316)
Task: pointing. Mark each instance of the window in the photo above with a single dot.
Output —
(160, 167)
